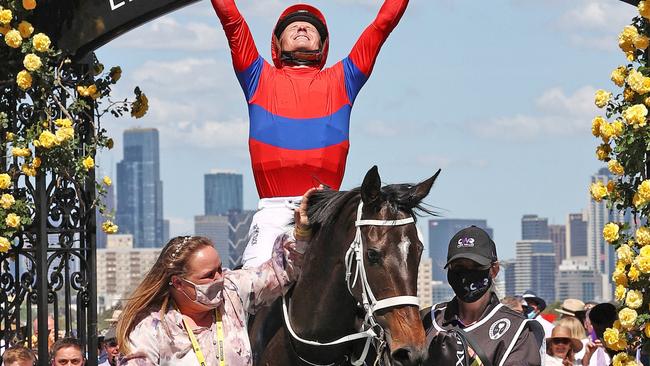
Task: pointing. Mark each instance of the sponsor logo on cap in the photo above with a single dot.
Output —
(465, 243)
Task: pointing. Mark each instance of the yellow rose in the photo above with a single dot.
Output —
(606, 131)
(6, 201)
(63, 122)
(88, 91)
(65, 134)
(598, 191)
(618, 76)
(636, 81)
(13, 39)
(29, 4)
(620, 359)
(603, 151)
(633, 274)
(41, 42)
(643, 235)
(108, 181)
(627, 37)
(634, 299)
(29, 170)
(636, 115)
(615, 167)
(48, 140)
(24, 80)
(619, 277)
(115, 74)
(5, 245)
(646, 330)
(643, 193)
(595, 125)
(610, 232)
(5, 181)
(89, 163)
(602, 97)
(611, 337)
(628, 94)
(611, 186)
(625, 254)
(109, 227)
(618, 127)
(21, 152)
(12, 220)
(643, 263)
(620, 292)
(37, 162)
(25, 29)
(32, 62)
(627, 317)
(140, 106)
(10, 136)
(644, 11)
(645, 251)
(641, 42)
(6, 16)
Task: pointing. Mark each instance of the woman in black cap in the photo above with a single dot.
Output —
(496, 334)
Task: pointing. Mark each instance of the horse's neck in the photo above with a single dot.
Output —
(321, 306)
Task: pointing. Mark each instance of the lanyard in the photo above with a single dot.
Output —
(218, 337)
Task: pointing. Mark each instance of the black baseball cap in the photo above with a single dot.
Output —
(472, 243)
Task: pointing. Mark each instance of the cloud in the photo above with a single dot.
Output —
(595, 24)
(187, 75)
(558, 114)
(167, 33)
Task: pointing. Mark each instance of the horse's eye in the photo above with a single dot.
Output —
(374, 256)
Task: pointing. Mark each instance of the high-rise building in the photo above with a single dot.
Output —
(576, 279)
(534, 227)
(223, 193)
(121, 268)
(441, 292)
(536, 268)
(440, 233)
(557, 234)
(601, 255)
(228, 233)
(425, 295)
(508, 268)
(576, 236)
(139, 189)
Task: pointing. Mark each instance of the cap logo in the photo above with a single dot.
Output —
(465, 243)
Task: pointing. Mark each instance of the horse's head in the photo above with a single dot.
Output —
(391, 251)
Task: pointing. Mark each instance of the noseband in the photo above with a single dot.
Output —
(371, 330)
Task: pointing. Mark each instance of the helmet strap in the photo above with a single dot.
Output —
(302, 58)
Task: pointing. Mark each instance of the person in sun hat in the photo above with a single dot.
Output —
(299, 110)
(535, 307)
(572, 307)
(498, 334)
(561, 348)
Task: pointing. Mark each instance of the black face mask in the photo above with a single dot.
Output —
(469, 285)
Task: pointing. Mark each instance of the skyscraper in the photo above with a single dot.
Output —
(576, 279)
(576, 235)
(139, 189)
(557, 234)
(601, 255)
(536, 268)
(440, 232)
(216, 228)
(223, 193)
(534, 227)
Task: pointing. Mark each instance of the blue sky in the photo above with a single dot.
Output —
(499, 94)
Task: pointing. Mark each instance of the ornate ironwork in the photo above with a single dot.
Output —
(50, 271)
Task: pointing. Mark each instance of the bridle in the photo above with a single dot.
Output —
(371, 330)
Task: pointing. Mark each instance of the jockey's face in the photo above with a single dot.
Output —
(300, 36)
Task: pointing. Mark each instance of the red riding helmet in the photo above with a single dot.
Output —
(305, 13)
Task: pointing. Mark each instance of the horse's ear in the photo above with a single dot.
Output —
(371, 187)
(421, 190)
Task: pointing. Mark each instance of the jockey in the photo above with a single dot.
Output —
(299, 111)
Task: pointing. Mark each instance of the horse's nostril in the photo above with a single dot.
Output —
(405, 357)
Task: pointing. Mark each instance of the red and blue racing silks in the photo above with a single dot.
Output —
(300, 116)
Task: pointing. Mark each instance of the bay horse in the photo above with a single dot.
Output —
(358, 285)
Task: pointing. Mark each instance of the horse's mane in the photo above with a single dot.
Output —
(325, 206)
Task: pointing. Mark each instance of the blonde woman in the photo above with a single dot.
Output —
(188, 311)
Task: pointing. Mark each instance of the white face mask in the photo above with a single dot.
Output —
(209, 294)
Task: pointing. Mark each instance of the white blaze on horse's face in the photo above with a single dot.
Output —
(404, 246)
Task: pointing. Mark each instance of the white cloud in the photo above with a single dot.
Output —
(558, 114)
(595, 24)
(188, 75)
(167, 33)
